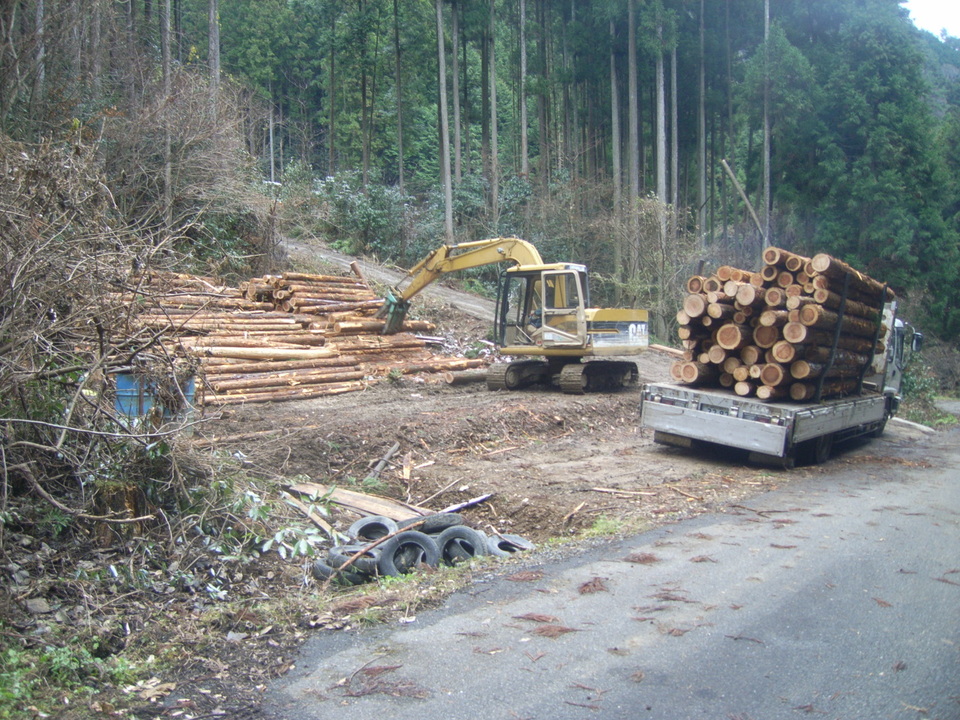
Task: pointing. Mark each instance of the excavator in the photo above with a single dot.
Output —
(542, 310)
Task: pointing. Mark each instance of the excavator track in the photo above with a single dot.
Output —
(579, 378)
(573, 380)
(517, 375)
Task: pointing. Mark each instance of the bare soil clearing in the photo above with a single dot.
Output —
(555, 463)
(557, 466)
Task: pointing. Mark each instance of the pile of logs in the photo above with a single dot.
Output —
(800, 328)
(286, 337)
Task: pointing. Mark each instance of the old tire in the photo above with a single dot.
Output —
(459, 544)
(372, 528)
(433, 524)
(402, 553)
(506, 544)
(322, 571)
(366, 563)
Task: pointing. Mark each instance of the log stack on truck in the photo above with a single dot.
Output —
(782, 362)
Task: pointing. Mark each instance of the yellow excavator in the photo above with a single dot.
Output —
(542, 310)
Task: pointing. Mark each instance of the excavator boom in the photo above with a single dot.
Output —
(451, 258)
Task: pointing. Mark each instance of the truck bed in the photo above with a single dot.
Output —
(771, 429)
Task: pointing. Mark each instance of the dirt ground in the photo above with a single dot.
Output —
(555, 464)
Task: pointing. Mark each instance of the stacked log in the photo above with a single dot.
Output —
(285, 337)
(799, 329)
(313, 294)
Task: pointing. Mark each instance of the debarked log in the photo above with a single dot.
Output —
(287, 379)
(297, 393)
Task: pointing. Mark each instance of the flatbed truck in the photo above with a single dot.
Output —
(782, 432)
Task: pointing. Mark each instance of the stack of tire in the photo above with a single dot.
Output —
(441, 538)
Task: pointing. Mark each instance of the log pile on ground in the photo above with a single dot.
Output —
(801, 328)
(285, 337)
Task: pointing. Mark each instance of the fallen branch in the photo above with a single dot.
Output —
(367, 548)
(686, 494)
(314, 516)
(569, 515)
(378, 468)
(468, 503)
(614, 491)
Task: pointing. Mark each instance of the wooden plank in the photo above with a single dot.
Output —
(363, 503)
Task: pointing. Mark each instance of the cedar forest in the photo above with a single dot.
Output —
(648, 139)
(840, 121)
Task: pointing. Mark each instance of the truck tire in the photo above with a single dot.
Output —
(818, 450)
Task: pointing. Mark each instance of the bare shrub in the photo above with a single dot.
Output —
(64, 257)
(650, 266)
(220, 213)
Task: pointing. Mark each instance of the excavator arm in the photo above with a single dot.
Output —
(450, 258)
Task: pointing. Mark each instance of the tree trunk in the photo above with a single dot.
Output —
(455, 55)
(444, 128)
(702, 135)
(270, 136)
(399, 87)
(484, 100)
(615, 142)
(543, 103)
(661, 135)
(332, 92)
(674, 149)
(634, 109)
(494, 151)
(364, 112)
(524, 142)
(766, 123)
(41, 62)
(213, 39)
(167, 140)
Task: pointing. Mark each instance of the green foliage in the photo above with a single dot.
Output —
(41, 677)
(603, 526)
(360, 219)
(920, 388)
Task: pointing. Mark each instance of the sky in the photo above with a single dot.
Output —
(933, 15)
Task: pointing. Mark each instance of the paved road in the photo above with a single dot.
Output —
(837, 597)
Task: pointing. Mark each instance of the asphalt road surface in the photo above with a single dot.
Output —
(836, 597)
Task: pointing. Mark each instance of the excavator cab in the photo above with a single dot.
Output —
(539, 309)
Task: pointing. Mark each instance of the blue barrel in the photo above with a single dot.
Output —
(136, 396)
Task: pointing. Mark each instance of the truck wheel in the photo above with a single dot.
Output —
(818, 450)
(878, 430)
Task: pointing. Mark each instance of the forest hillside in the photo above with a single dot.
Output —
(642, 138)
(647, 139)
